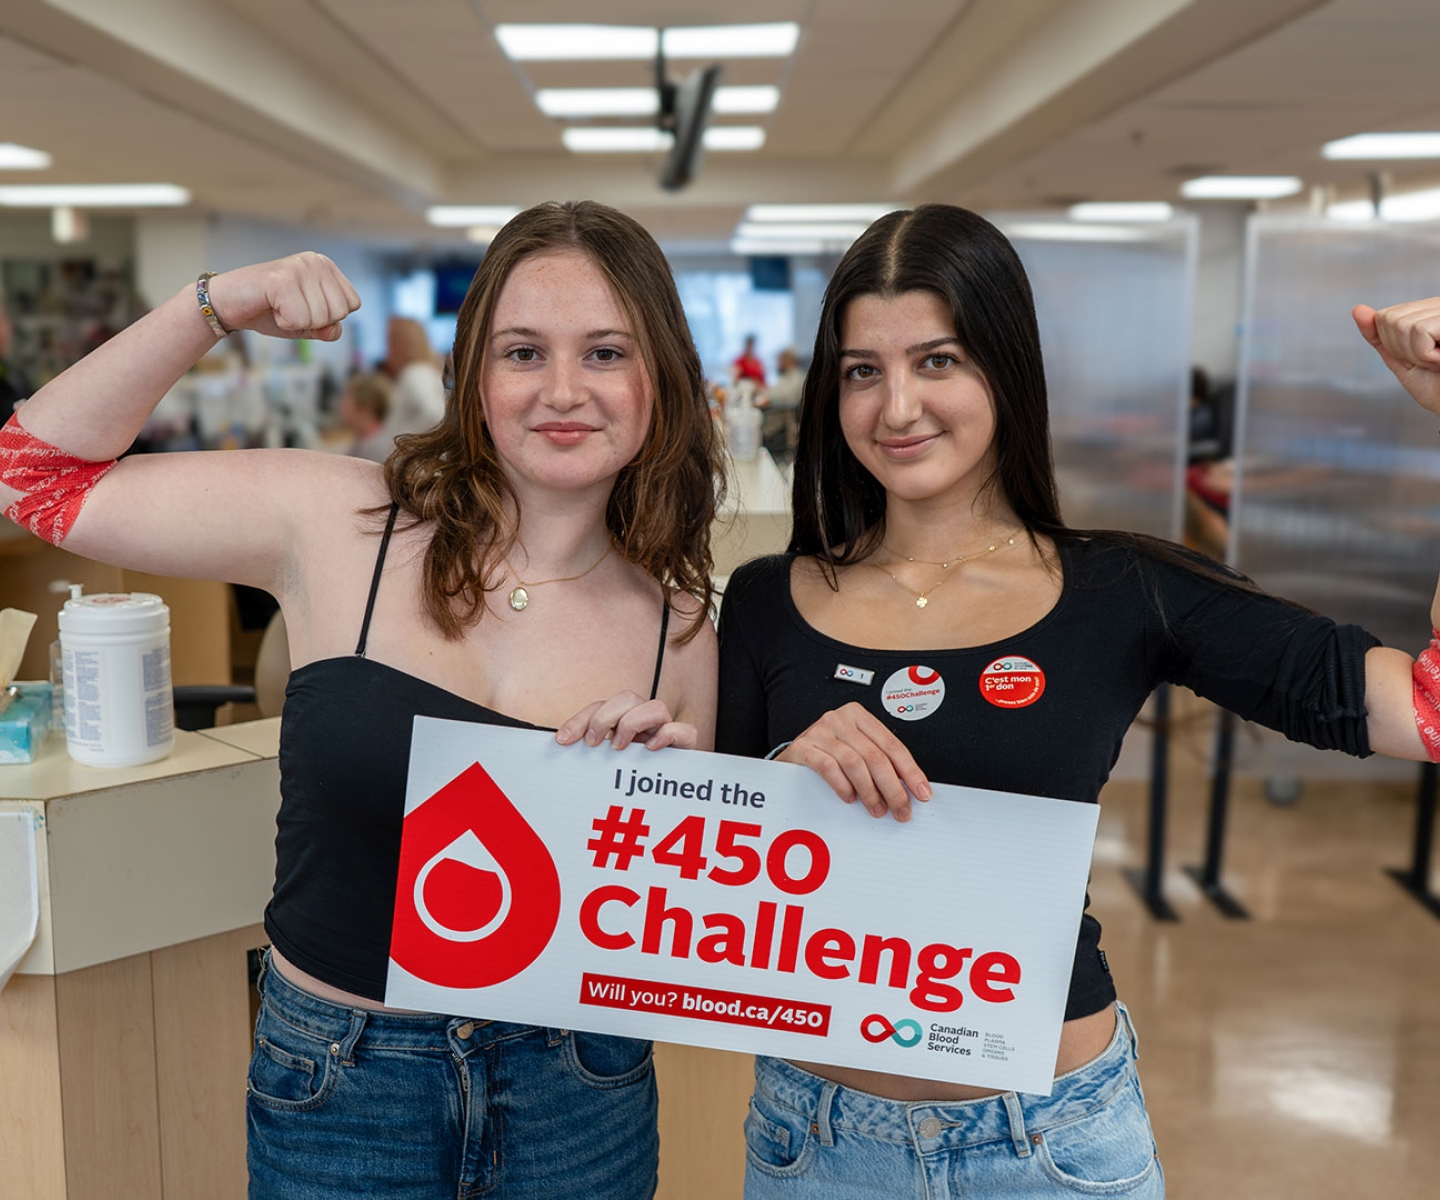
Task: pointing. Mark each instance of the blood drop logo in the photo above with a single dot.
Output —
(478, 896)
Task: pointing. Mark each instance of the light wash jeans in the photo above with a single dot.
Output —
(809, 1139)
(344, 1102)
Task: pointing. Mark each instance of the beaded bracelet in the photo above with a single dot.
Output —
(207, 310)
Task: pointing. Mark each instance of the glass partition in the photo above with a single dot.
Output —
(1337, 499)
(1115, 307)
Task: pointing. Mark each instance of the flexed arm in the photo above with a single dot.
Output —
(223, 516)
(1402, 697)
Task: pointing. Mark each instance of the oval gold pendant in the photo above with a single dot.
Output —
(519, 599)
(920, 603)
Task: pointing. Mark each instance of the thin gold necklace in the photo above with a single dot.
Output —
(923, 598)
(520, 597)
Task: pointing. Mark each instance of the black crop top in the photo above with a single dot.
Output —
(344, 759)
(1044, 712)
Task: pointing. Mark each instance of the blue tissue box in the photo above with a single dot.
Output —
(24, 723)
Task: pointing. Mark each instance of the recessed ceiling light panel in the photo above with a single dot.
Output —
(560, 43)
(734, 137)
(621, 140)
(1241, 187)
(863, 213)
(1384, 145)
(757, 99)
(22, 158)
(93, 195)
(835, 231)
(776, 39)
(1121, 211)
(464, 216)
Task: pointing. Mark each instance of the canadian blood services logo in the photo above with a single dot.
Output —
(905, 1032)
(478, 897)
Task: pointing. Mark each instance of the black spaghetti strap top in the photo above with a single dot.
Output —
(344, 759)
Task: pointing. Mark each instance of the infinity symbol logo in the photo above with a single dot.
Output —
(876, 1028)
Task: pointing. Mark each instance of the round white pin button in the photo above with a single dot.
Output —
(913, 693)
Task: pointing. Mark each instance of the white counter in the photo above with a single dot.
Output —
(116, 848)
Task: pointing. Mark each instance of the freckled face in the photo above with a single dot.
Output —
(914, 409)
(565, 393)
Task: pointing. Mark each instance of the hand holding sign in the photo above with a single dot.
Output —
(730, 902)
(862, 760)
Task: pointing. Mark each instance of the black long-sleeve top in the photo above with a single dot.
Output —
(1044, 712)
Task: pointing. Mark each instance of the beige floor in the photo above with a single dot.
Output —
(1296, 1054)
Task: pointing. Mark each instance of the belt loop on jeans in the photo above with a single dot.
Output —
(821, 1126)
(553, 1037)
(344, 1049)
(1017, 1123)
(1124, 1015)
(264, 970)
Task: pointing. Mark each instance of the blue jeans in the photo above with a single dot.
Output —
(809, 1138)
(344, 1102)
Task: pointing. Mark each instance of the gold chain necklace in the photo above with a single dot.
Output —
(520, 597)
(923, 598)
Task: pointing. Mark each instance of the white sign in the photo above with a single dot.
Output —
(736, 903)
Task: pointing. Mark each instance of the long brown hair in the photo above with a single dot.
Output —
(661, 507)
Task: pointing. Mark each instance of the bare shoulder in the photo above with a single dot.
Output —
(686, 613)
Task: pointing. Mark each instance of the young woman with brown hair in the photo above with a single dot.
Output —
(545, 545)
(928, 536)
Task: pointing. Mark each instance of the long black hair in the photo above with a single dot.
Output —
(839, 507)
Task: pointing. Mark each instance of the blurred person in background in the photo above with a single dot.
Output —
(364, 405)
(418, 400)
(748, 364)
(781, 404)
(14, 387)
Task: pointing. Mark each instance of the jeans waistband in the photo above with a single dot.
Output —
(349, 1027)
(949, 1125)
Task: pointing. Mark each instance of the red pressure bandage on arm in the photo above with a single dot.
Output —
(53, 484)
(1427, 696)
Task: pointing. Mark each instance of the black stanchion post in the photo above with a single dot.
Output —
(1207, 875)
(1149, 880)
(1416, 879)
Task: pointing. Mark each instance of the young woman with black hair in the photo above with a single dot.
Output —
(928, 538)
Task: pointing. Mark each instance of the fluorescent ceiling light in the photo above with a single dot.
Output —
(1240, 187)
(1351, 210)
(557, 43)
(862, 213)
(1407, 206)
(638, 139)
(461, 216)
(644, 102)
(734, 137)
(598, 102)
(757, 99)
(22, 158)
(834, 231)
(763, 248)
(1121, 211)
(618, 140)
(1384, 145)
(1059, 231)
(774, 40)
(93, 195)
